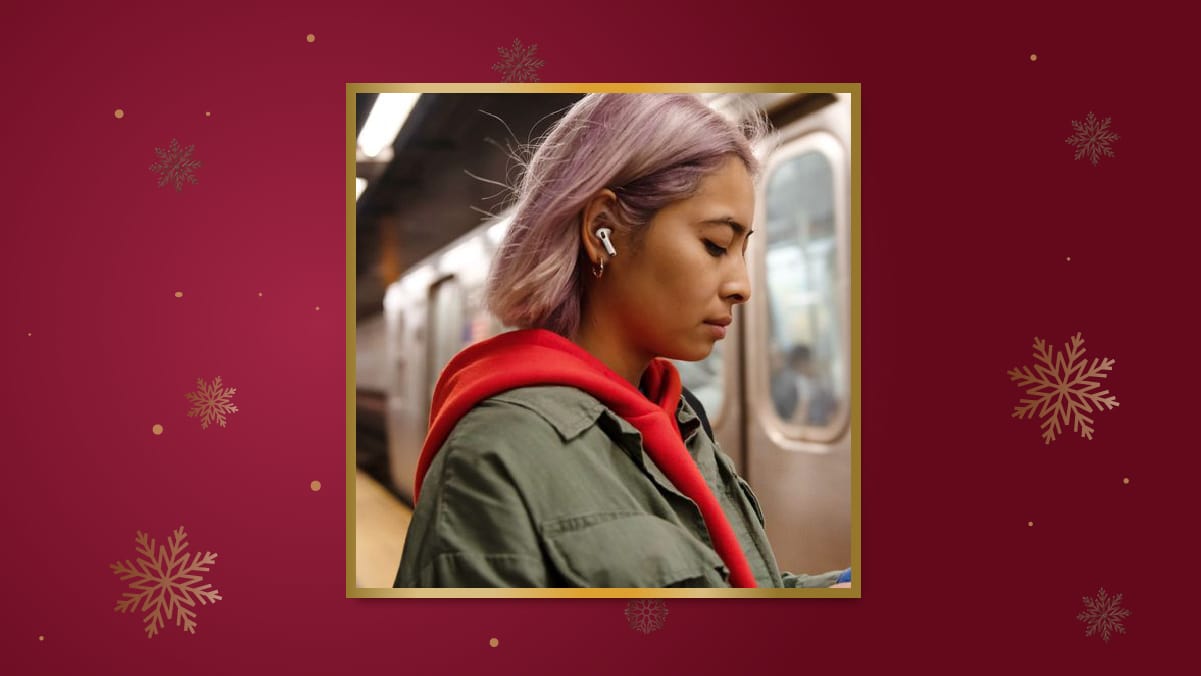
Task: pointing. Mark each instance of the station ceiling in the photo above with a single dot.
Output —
(423, 198)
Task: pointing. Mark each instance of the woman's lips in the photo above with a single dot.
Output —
(719, 331)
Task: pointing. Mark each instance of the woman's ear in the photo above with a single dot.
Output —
(598, 213)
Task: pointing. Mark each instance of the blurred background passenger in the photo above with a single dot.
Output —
(801, 394)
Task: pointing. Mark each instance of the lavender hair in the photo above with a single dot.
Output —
(652, 149)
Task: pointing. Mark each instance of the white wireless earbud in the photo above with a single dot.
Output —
(603, 235)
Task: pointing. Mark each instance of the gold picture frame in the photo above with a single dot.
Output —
(353, 89)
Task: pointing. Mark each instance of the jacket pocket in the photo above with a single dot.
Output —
(631, 551)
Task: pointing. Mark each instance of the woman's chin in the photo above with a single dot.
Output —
(694, 352)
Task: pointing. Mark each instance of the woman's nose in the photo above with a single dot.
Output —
(738, 287)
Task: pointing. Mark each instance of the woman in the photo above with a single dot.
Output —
(562, 454)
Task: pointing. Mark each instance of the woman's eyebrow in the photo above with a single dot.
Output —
(738, 227)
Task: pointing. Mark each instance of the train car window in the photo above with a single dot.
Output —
(805, 279)
(446, 325)
(704, 379)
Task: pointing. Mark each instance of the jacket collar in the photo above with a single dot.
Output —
(572, 411)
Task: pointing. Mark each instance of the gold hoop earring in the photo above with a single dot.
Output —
(597, 273)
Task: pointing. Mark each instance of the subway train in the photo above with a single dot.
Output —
(778, 390)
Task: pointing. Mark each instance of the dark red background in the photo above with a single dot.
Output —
(971, 204)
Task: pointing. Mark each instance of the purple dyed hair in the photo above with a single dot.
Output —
(651, 149)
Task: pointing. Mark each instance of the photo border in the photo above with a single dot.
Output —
(352, 589)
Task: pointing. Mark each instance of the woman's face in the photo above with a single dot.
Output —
(675, 292)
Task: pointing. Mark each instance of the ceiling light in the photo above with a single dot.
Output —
(387, 117)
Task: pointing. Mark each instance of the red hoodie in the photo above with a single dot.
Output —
(539, 357)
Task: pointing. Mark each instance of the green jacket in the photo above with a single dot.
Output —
(546, 487)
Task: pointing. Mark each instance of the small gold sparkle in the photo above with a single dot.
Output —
(1034, 57)
(315, 486)
(1030, 524)
(1125, 480)
(310, 37)
(208, 113)
(118, 113)
(157, 429)
(41, 638)
(493, 642)
(179, 294)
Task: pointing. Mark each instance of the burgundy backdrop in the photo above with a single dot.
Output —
(972, 207)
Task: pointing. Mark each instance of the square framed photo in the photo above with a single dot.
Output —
(541, 405)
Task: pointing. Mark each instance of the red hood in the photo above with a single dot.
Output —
(539, 357)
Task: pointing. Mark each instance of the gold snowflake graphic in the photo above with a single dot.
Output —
(1092, 139)
(1104, 614)
(517, 64)
(211, 402)
(1063, 389)
(175, 165)
(166, 583)
(646, 615)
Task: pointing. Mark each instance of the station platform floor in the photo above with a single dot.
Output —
(381, 524)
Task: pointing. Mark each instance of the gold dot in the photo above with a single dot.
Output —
(310, 37)
(493, 642)
(315, 486)
(1034, 57)
(118, 113)
(1126, 480)
(208, 114)
(1030, 523)
(41, 638)
(179, 294)
(157, 429)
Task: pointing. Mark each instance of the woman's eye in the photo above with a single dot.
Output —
(714, 250)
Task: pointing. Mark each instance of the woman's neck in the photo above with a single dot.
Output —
(609, 349)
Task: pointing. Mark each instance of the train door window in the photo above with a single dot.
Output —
(704, 379)
(446, 326)
(806, 280)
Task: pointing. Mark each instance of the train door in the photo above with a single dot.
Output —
(798, 398)
(445, 331)
(406, 307)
